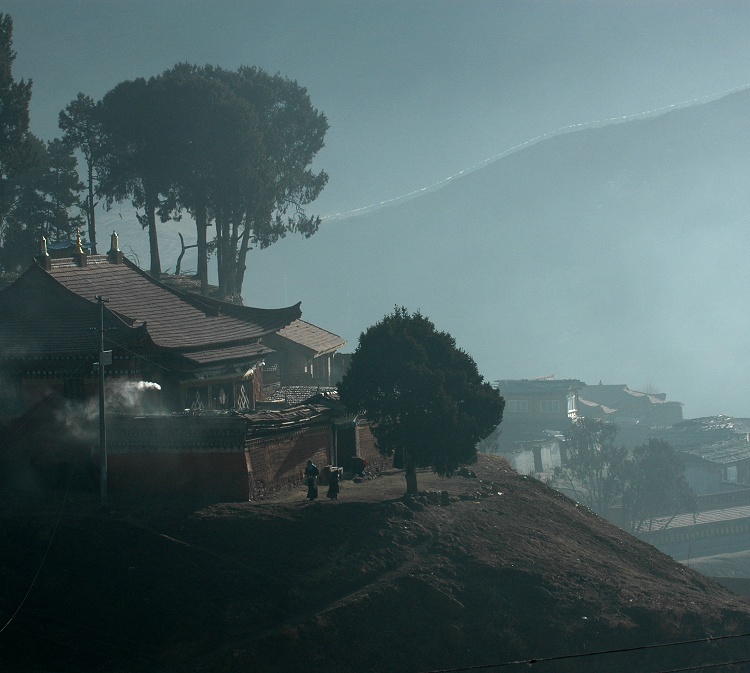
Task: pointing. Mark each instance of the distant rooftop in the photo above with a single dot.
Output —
(546, 384)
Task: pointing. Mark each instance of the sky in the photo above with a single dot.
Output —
(415, 92)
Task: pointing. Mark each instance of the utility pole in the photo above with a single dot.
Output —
(105, 357)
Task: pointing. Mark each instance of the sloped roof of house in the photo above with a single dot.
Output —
(297, 394)
(55, 310)
(711, 516)
(621, 396)
(546, 385)
(311, 337)
(39, 317)
(721, 440)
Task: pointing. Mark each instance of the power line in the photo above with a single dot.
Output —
(703, 667)
(583, 655)
(46, 552)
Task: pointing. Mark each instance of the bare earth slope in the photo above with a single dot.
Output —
(508, 570)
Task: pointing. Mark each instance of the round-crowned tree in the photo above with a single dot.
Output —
(425, 396)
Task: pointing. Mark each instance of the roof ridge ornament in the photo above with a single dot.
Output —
(115, 254)
(43, 258)
(79, 254)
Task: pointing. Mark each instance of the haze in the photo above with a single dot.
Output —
(418, 92)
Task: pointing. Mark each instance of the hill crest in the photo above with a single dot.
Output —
(508, 570)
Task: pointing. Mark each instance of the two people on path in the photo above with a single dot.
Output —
(311, 480)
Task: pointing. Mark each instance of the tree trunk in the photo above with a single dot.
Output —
(411, 474)
(90, 209)
(153, 240)
(222, 259)
(239, 272)
(201, 226)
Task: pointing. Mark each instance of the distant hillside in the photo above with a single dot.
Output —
(507, 570)
(614, 254)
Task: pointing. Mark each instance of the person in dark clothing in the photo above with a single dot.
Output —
(311, 479)
(333, 485)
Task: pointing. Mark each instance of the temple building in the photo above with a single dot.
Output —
(203, 354)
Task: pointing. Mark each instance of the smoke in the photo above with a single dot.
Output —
(147, 385)
(128, 397)
(80, 420)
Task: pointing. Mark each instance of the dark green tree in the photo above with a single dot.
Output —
(279, 182)
(136, 155)
(656, 485)
(62, 188)
(212, 145)
(82, 130)
(17, 152)
(429, 404)
(233, 148)
(595, 469)
(26, 221)
(244, 146)
(46, 201)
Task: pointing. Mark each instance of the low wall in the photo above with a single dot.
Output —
(210, 474)
(278, 461)
(210, 456)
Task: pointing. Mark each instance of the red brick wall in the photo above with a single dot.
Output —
(279, 461)
(210, 474)
(368, 448)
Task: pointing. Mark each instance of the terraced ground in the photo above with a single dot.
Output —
(486, 568)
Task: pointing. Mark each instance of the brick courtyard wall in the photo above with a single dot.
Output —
(210, 474)
(368, 448)
(278, 461)
(200, 456)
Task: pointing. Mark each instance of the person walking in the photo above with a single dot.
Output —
(333, 485)
(311, 479)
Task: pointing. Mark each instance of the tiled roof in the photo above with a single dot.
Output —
(721, 440)
(711, 516)
(318, 340)
(173, 320)
(620, 395)
(241, 352)
(548, 386)
(55, 311)
(298, 394)
(39, 318)
(605, 409)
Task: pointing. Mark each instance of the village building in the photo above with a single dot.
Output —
(716, 454)
(184, 383)
(539, 411)
(624, 406)
(303, 356)
(202, 353)
(531, 435)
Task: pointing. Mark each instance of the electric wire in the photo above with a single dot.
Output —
(583, 655)
(46, 552)
(703, 667)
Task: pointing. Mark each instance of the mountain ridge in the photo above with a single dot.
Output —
(607, 254)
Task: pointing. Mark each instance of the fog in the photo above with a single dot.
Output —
(498, 165)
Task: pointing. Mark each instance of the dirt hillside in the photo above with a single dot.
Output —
(486, 568)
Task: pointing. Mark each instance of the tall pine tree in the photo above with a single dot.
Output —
(16, 148)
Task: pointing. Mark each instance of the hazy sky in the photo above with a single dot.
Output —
(415, 91)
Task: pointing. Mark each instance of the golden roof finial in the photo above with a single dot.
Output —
(79, 248)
